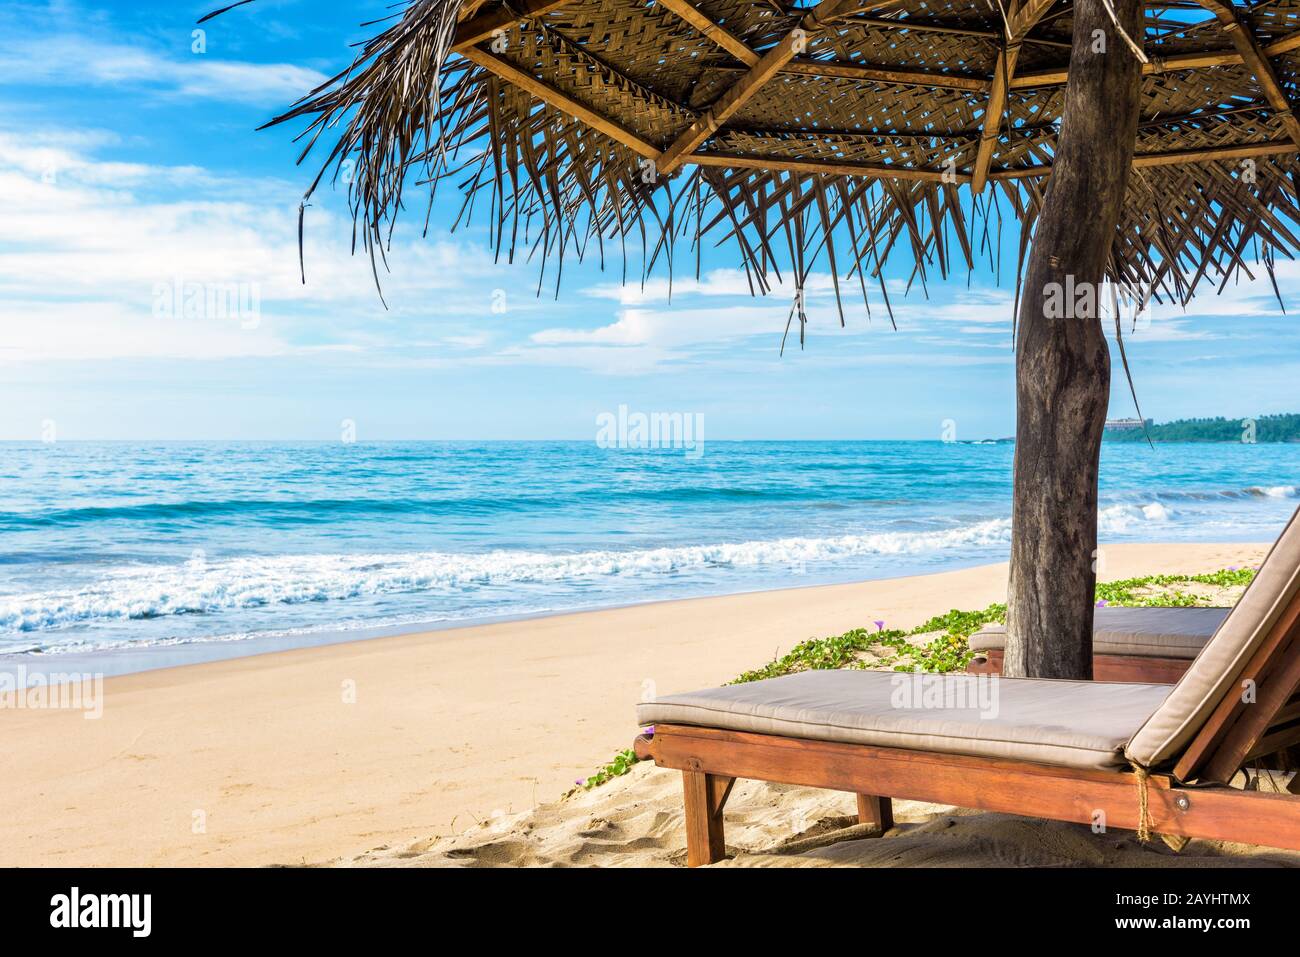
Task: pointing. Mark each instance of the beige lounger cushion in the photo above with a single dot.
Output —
(1079, 724)
(1135, 632)
(1219, 666)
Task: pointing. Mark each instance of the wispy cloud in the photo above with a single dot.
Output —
(73, 60)
(102, 243)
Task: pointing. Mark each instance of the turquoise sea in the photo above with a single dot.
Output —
(137, 554)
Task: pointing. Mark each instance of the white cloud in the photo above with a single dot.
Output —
(675, 327)
(714, 283)
(34, 331)
(71, 60)
(97, 240)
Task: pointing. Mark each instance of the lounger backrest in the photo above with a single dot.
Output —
(1217, 669)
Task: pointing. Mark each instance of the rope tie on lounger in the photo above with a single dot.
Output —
(1176, 842)
(1144, 812)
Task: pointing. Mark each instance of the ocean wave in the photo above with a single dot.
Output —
(1116, 519)
(1272, 491)
(198, 587)
(321, 510)
(1229, 494)
(275, 511)
(266, 510)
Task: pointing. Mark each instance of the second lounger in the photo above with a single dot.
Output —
(1128, 644)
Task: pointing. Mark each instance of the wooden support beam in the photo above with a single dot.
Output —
(992, 130)
(932, 26)
(825, 167)
(483, 25)
(887, 74)
(873, 6)
(1211, 154)
(1285, 45)
(1027, 15)
(804, 66)
(1023, 18)
(768, 65)
(1255, 59)
(714, 31)
(566, 104)
(1184, 61)
(553, 97)
(911, 76)
(1173, 158)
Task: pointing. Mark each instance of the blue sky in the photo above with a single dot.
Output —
(130, 166)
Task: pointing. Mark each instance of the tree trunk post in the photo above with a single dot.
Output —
(1062, 356)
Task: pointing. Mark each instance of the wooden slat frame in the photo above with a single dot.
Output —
(1023, 19)
(553, 97)
(1252, 725)
(483, 25)
(906, 76)
(829, 167)
(1175, 158)
(1182, 61)
(550, 95)
(714, 31)
(1255, 58)
(902, 76)
(1012, 787)
(1235, 725)
(924, 26)
(768, 65)
(803, 66)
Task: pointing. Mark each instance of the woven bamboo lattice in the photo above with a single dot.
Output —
(834, 134)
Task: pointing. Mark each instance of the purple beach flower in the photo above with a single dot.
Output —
(880, 625)
(649, 732)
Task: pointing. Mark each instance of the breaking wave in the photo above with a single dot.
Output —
(197, 587)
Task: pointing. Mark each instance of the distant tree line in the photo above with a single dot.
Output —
(1264, 428)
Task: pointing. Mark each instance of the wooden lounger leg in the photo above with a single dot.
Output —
(876, 810)
(706, 795)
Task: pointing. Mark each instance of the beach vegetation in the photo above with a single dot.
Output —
(1264, 428)
(1150, 591)
(618, 767)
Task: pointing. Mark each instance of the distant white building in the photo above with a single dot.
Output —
(1127, 425)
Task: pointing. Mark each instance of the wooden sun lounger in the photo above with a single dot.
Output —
(710, 761)
(1238, 706)
(1156, 670)
(1128, 642)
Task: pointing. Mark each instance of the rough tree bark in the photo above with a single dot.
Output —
(1063, 362)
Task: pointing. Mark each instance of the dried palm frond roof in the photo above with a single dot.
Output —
(830, 134)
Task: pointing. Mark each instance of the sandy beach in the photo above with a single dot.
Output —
(370, 750)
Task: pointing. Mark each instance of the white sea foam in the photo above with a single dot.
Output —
(1117, 519)
(193, 587)
(1272, 491)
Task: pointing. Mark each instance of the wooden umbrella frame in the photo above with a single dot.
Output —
(787, 127)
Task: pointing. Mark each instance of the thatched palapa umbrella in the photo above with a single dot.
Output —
(1154, 148)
